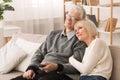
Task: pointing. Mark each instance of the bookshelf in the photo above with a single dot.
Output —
(112, 21)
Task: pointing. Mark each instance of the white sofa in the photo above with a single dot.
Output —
(27, 44)
(115, 51)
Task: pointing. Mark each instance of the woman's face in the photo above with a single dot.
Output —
(81, 32)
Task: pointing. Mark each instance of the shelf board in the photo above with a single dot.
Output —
(102, 31)
(108, 5)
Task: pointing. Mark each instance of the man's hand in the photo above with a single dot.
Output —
(29, 74)
(48, 66)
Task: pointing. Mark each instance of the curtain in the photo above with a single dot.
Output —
(36, 16)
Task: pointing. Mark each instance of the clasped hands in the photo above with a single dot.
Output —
(46, 66)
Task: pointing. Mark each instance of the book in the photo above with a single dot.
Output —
(92, 2)
(114, 22)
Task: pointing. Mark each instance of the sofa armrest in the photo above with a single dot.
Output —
(115, 52)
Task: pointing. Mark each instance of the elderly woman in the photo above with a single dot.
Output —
(97, 60)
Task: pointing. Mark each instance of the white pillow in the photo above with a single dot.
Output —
(29, 48)
(10, 57)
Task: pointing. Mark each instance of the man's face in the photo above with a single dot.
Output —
(71, 18)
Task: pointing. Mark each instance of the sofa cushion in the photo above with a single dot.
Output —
(10, 56)
(29, 43)
(29, 48)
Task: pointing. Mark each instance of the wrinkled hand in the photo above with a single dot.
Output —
(29, 74)
(49, 66)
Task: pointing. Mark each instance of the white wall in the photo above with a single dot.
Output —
(1, 37)
(107, 1)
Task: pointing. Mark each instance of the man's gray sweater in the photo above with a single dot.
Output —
(58, 48)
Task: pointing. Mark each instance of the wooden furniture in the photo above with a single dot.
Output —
(111, 5)
(75, 1)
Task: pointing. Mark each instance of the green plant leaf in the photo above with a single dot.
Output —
(7, 1)
(5, 6)
(1, 12)
(9, 7)
(1, 17)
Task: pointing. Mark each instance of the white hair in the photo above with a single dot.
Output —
(89, 25)
(79, 9)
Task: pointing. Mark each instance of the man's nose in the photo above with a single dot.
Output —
(76, 31)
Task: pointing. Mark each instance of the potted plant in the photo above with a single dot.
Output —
(5, 6)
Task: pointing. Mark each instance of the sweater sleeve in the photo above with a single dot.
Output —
(90, 59)
(78, 52)
(40, 53)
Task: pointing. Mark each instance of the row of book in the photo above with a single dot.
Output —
(91, 2)
(111, 23)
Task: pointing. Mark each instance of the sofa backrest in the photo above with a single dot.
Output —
(115, 51)
(30, 37)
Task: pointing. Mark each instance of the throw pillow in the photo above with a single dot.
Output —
(10, 57)
(29, 48)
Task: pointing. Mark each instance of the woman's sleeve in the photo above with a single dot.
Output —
(94, 55)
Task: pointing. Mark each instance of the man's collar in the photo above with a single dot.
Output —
(69, 35)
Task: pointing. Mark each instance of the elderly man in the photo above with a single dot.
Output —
(50, 61)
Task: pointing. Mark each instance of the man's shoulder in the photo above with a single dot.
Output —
(56, 32)
(78, 42)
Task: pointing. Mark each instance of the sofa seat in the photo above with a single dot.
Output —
(10, 75)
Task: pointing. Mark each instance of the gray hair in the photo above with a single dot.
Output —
(79, 9)
(89, 25)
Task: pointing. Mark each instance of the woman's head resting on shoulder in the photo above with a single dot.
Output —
(85, 29)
